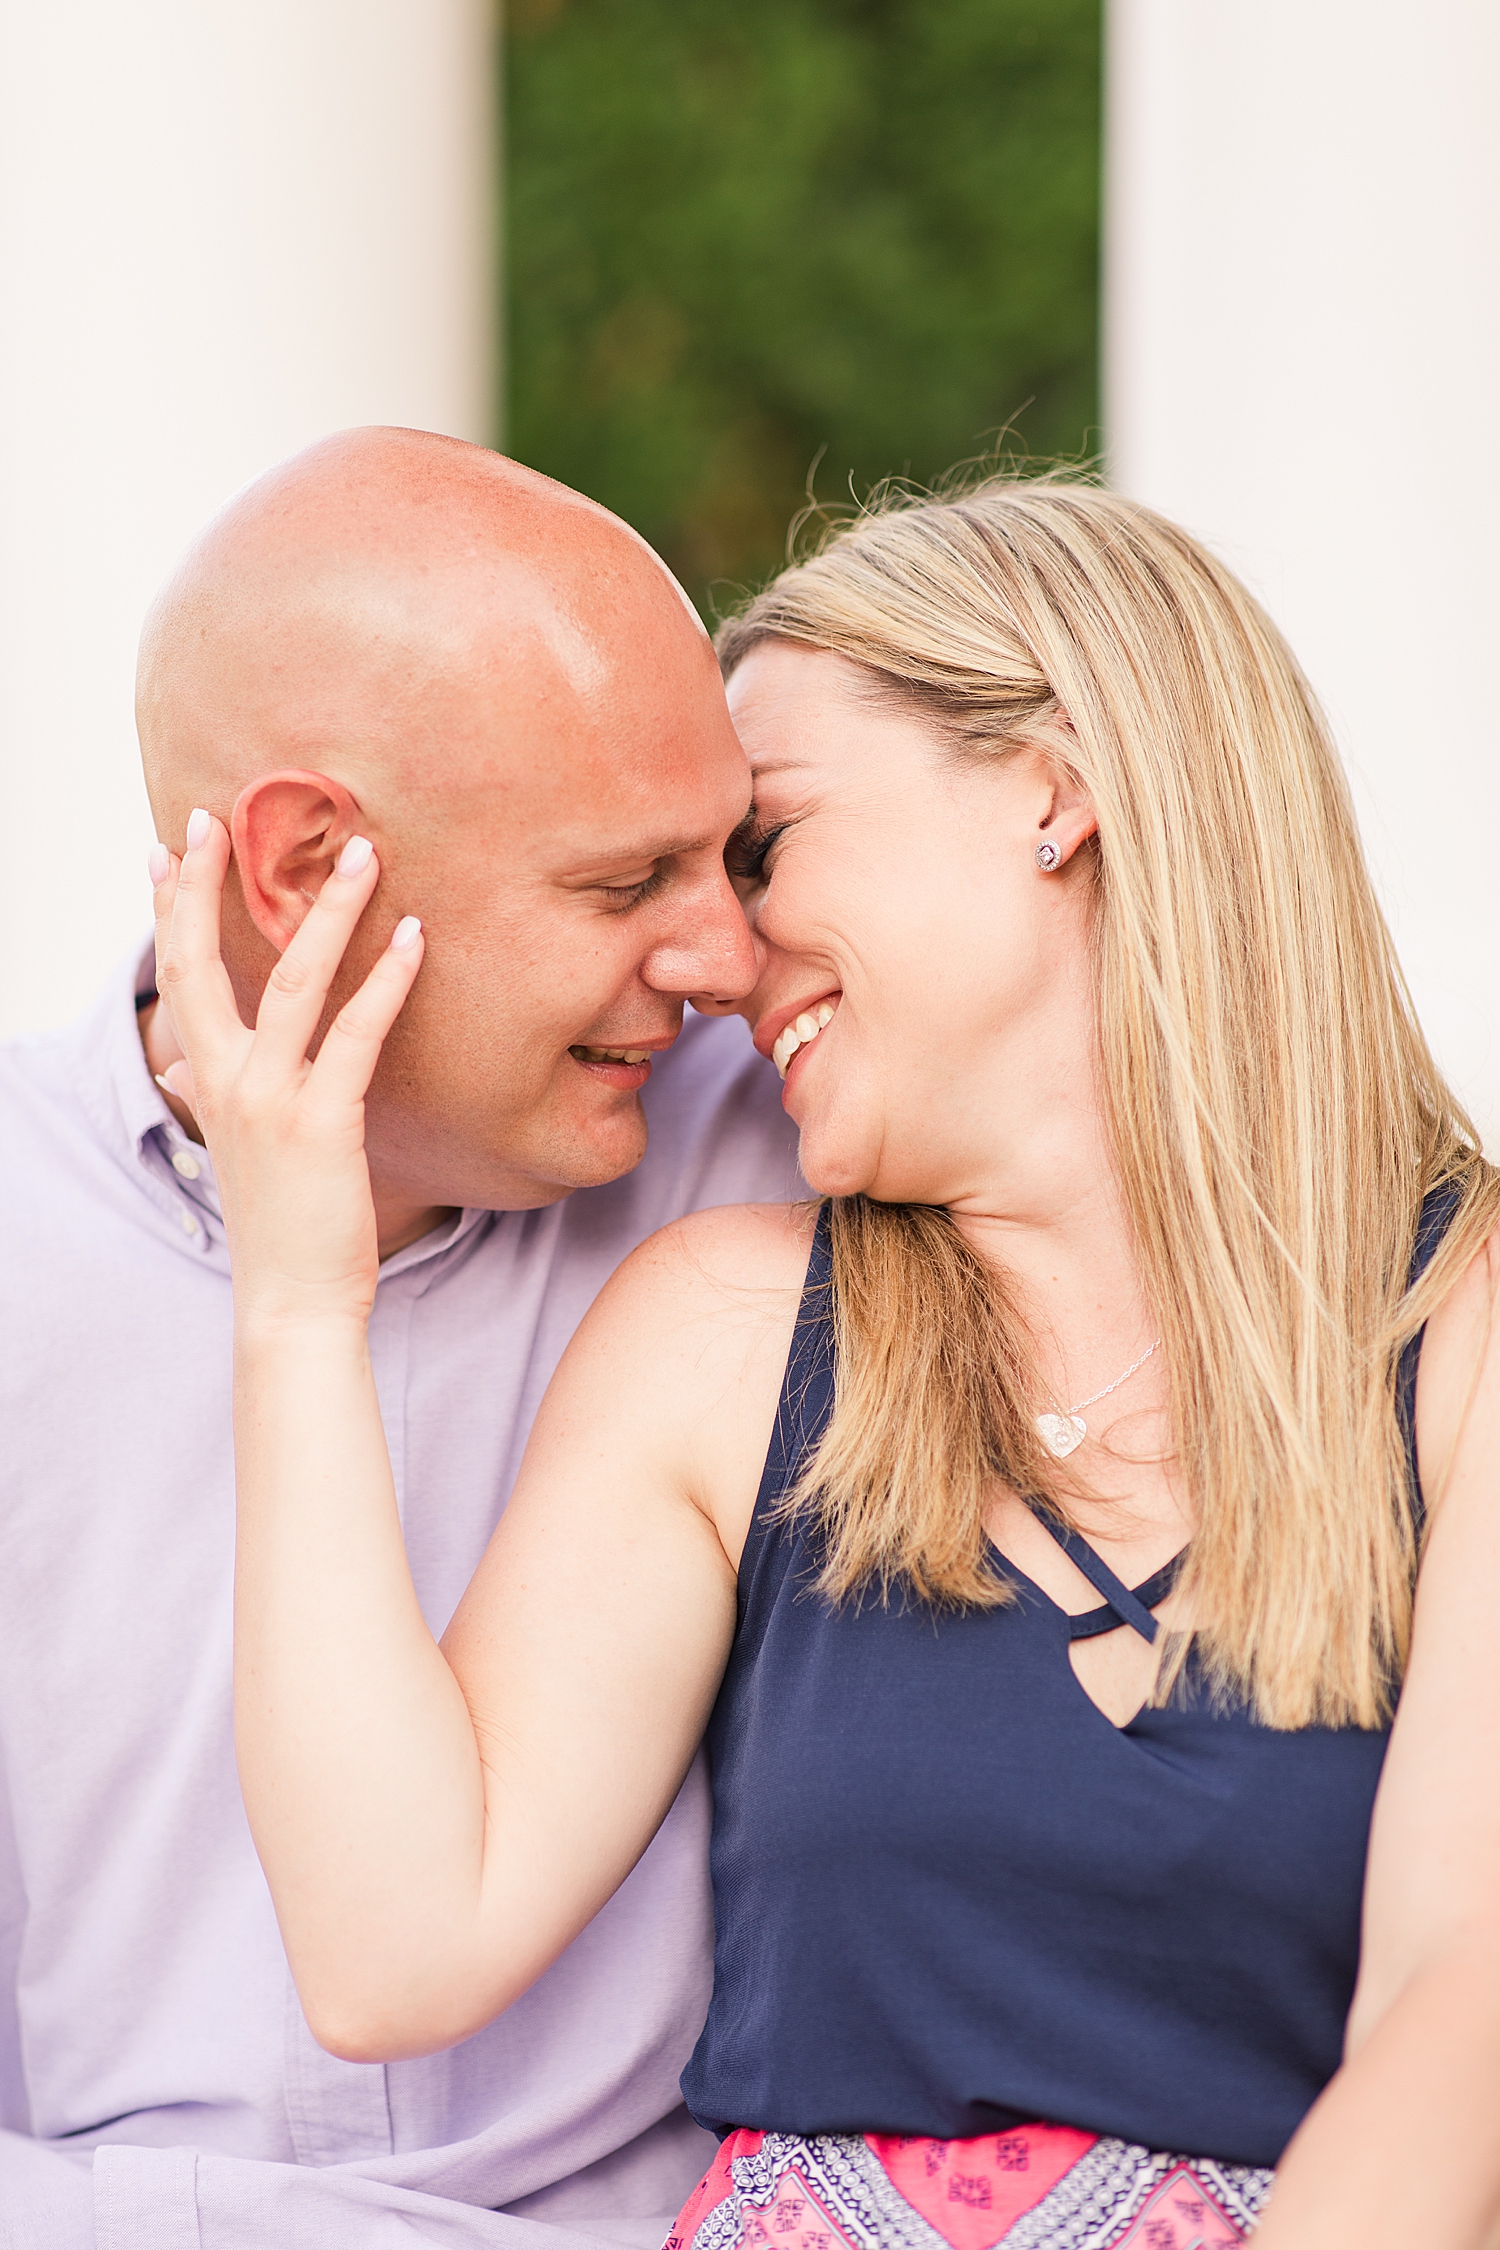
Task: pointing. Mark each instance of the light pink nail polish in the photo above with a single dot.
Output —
(354, 858)
(198, 827)
(158, 864)
(406, 933)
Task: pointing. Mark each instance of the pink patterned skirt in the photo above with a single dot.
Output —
(1038, 2187)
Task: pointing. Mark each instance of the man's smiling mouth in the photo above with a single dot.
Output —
(611, 1054)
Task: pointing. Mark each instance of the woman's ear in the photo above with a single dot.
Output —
(1068, 815)
(287, 830)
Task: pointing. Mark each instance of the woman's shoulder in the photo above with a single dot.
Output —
(734, 1248)
(713, 1296)
(683, 1357)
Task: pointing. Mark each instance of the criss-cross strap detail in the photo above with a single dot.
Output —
(1122, 1604)
(1152, 1590)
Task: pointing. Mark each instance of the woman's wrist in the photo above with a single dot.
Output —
(279, 1325)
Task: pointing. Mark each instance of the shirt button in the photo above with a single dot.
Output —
(187, 1164)
(189, 1223)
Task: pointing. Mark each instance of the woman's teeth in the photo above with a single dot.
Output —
(611, 1054)
(797, 1034)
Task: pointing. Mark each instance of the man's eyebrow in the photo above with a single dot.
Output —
(645, 847)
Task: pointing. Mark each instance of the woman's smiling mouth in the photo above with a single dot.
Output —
(800, 1032)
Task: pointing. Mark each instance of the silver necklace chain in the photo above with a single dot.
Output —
(1062, 1434)
(1133, 1369)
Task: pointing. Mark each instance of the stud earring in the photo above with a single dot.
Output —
(1048, 857)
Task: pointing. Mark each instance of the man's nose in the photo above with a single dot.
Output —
(711, 953)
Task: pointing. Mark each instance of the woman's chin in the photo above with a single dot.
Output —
(844, 1147)
(820, 1161)
(830, 1165)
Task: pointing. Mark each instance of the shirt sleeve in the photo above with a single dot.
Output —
(181, 2199)
(45, 2197)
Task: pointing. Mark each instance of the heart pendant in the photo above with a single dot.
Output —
(1062, 1434)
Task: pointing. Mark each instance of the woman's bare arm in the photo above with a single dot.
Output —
(436, 1828)
(437, 1825)
(1404, 2146)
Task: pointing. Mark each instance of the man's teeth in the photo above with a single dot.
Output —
(612, 1054)
(806, 1027)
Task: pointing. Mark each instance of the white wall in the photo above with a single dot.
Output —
(226, 227)
(1302, 314)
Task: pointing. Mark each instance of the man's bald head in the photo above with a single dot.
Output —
(410, 638)
(326, 602)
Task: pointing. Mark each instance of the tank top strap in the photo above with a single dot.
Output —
(806, 1403)
(1124, 1605)
(1433, 1222)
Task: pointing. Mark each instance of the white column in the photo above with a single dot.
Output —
(1302, 315)
(226, 227)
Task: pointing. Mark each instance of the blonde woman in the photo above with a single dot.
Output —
(1046, 1530)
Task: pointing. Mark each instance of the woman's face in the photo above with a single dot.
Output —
(924, 985)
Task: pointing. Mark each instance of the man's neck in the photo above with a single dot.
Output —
(399, 1222)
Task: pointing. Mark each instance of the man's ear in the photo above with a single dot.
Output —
(287, 830)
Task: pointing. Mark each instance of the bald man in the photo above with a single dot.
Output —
(405, 638)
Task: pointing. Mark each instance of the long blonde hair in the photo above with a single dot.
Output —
(1275, 1113)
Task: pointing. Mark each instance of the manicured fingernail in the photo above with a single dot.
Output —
(197, 828)
(166, 1089)
(158, 864)
(406, 933)
(354, 858)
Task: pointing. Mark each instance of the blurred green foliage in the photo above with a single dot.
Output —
(743, 238)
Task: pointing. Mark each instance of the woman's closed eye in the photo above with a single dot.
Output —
(749, 849)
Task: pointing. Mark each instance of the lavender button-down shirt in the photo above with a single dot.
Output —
(159, 2089)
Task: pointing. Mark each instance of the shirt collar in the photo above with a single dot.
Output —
(123, 1101)
(127, 1109)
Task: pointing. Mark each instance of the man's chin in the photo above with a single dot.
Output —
(529, 1162)
(591, 1151)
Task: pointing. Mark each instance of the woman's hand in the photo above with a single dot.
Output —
(286, 1134)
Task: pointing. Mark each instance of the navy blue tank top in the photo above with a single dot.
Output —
(951, 1896)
